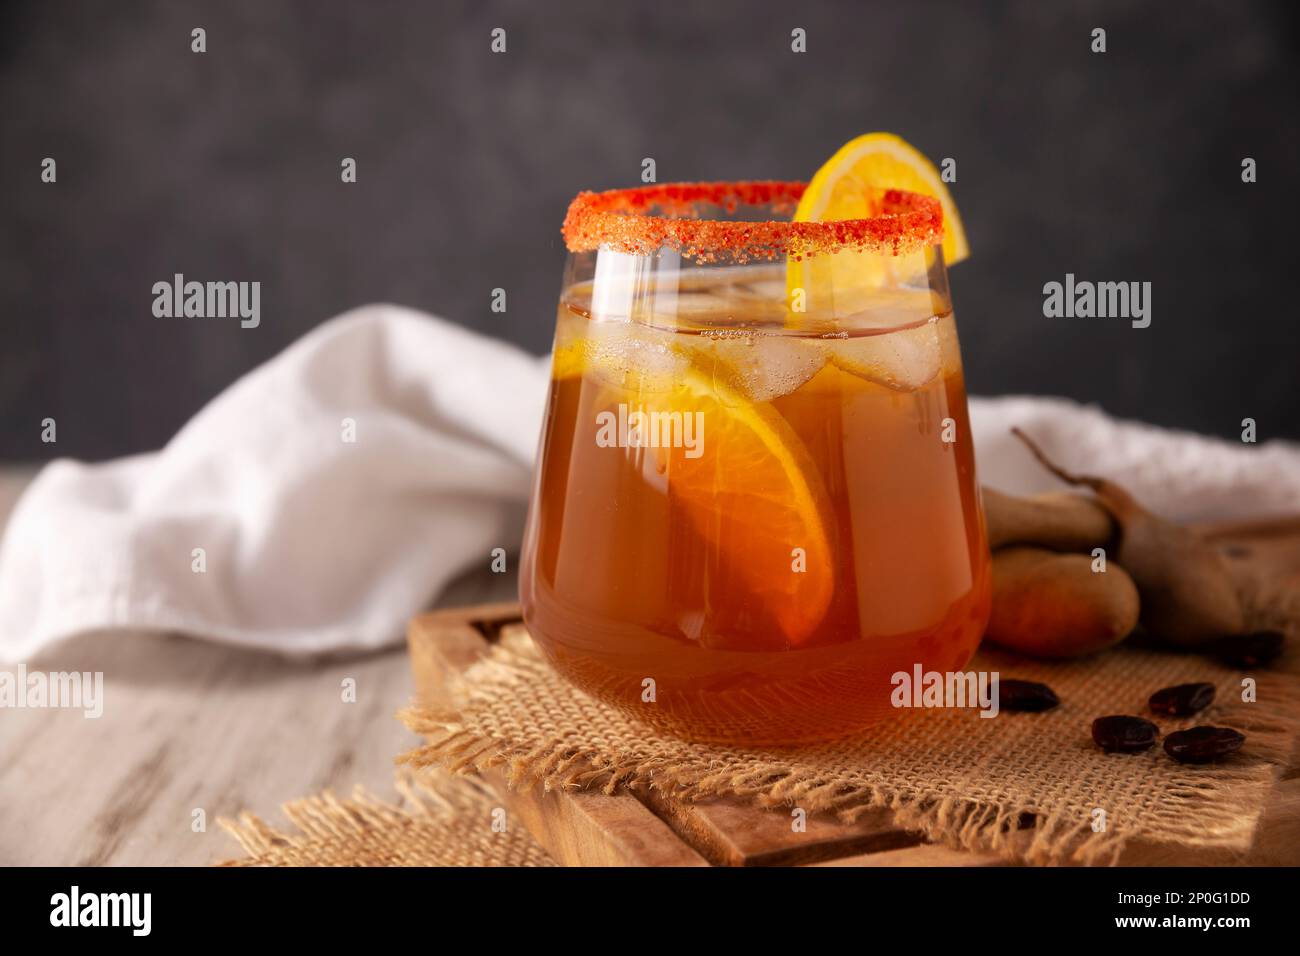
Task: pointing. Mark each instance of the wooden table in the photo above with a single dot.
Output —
(189, 725)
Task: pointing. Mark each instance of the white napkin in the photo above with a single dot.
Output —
(311, 542)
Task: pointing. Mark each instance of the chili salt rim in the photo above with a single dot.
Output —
(620, 219)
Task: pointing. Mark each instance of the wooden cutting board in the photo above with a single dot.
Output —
(580, 828)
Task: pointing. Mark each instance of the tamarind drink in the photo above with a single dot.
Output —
(755, 502)
(743, 526)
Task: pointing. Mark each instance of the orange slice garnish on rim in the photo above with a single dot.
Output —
(856, 184)
(875, 162)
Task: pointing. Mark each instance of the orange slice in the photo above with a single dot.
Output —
(840, 189)
(749, 488)
(753, 493)
(849, 186)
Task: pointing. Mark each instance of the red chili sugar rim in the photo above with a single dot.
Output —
(666, 216)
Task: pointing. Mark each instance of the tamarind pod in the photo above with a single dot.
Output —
(1053, 605)
(1060, 520)
(1188, 596)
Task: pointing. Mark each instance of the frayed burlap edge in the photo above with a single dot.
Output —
(1011, 831)
(441, 821)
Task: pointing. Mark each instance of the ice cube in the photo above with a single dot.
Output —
(634, 357)
(905, 359)
(761, 365)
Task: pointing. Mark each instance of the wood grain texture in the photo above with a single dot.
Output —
(189, 724)
(580, 828)
(734, 833)
(927, 854)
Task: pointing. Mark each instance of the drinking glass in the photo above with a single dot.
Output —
(755, 499)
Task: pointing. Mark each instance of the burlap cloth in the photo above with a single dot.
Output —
(441, 821)
(1021, 784)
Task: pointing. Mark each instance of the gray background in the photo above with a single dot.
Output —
(1122, 166)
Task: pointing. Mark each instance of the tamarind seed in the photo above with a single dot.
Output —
(1203, 744)
(1025, 695)
(1123, 734)
(1244, 651)
(1182, 699)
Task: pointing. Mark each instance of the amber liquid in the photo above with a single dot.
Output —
(652, 582)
